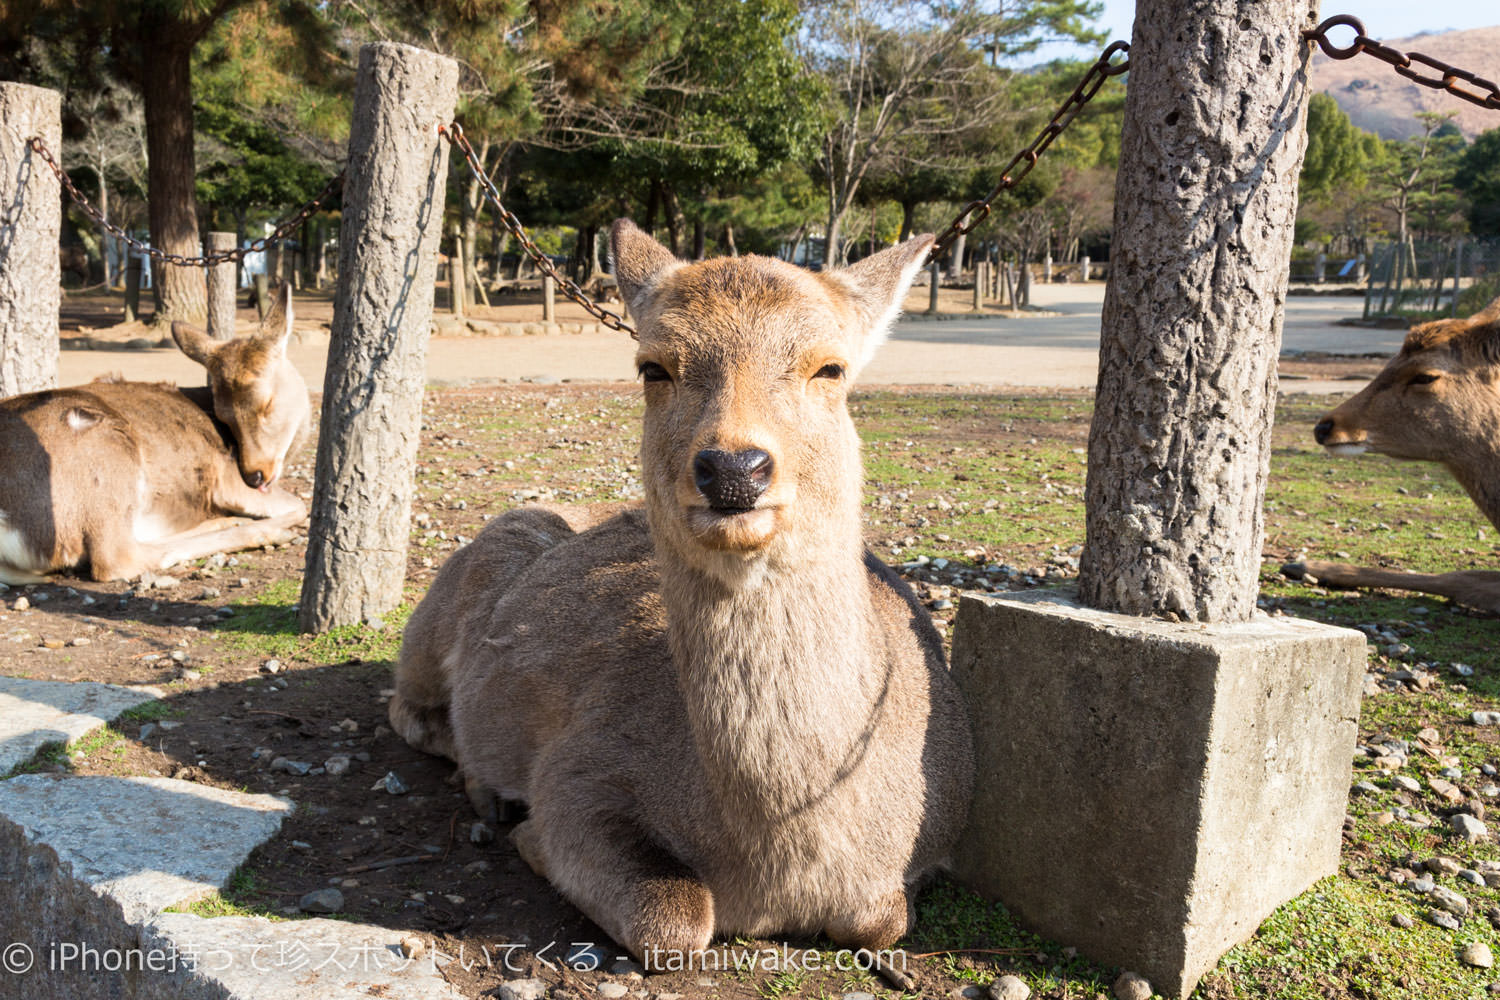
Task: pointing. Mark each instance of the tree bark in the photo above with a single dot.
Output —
(1214, 133)
(167, 97)
(372, 393)
(30, 224)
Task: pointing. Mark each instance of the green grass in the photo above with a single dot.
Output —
(266, 624)
(105, 741)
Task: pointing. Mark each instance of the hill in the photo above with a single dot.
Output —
(1380, 101)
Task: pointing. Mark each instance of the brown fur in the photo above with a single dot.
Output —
(1437, 400)
(722, 723)
(125, 477)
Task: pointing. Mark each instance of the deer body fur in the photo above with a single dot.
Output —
(125, 477)
(724, 715)
(1437, 400)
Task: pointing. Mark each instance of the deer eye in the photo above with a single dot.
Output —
(1423, 378)
(830, 370)
(653, 372)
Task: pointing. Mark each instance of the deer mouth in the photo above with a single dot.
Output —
(739, 529)
(1348, 448)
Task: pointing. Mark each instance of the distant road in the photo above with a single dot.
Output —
(1059, 351)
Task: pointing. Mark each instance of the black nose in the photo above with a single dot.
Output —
(254, 479)
(1323, 429)
(732, 480)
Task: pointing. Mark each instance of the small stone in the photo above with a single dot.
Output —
(1485, 718)
(1446, 789)
(584, 958)
(1442, 866)
(21, 604)
(479, 833)
(189, 675)
(1444, 919)
(847, 996)
(1402, 920)
(1384, 818)
(1008, 988)
(1450, 901)
(611, 991)
(336, 765)
(522, 989)
(1405, 783)
(1366, 788)
(1493, 916)
(392, 783)
(625, 967)
(271, 667)
(413, 946)
(178, 656)
(1477, 955)
(322, 901)
(1131, 986)
(1468, 827)
(82, 641)
(286, 764)
(1471, 876)
(1423, 884)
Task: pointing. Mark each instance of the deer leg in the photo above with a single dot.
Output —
(1474, 588)
(612, 870)
(879, 923)
(196, 543)
(234, 497)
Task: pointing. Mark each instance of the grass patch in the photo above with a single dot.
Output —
(266, 625)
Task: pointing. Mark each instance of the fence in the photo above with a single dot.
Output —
(1442, 277)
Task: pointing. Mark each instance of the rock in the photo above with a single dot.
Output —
(1442, 866)
(1444, 919)
(1493, 916)
(1008, 988)
(1471, 876)
(1402, 920)
(21, 604)
(322, 901)
(1423, 884)
(271, 667)
(1446, 789)
(625, 967)
(392, 783)
(583, 958)
(1477, 955)
(413, 946)
(847, 996)
(611, 991)
(522, 989)
(1468, 827)
(1405, 783)
(1450, 901)
(336, 765)
(1485, 718)
(296, 767)
(1131, 986)
(479, 833)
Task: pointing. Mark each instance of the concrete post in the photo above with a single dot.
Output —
(1047, 270)
(221, 287)
(549, 299)
(30, 222)
(262, 284)
(457, 292)
(935, 275)
(1176, 762)
(133, 271)
(979, 280)
(372, 394)
(1083, 268)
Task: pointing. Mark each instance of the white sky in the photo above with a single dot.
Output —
(1382, 19)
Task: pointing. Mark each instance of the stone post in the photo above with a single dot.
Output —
(935, 275)
(222, 287)
(30, 223)
(549, 299)
(1084, 263)
(457, 292)
(377, 366)
(979, 281)
(133, 270)
(1176, 762)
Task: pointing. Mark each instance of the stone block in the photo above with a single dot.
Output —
(1148, 792)
(34, 712)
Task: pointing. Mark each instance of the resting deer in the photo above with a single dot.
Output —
(1438, 400)
(127, 477)
(724, 715)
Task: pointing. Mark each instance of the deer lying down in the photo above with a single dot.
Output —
(128, 477)
(724, 714)
(1438, 400)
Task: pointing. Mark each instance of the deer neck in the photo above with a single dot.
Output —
(779, 668)
(1481, 480)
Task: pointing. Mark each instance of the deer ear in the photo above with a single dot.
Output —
(639, 262)
(1489, 314)
(879, 284)
(276, 325)
(193, 342)
(1485, 329)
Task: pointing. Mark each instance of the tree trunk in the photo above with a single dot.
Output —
(377, 360)
(676, 221)
(700, 239)
(908, 219)
(1213, 138)
(167, 96)
(734, 251)
(30, 223)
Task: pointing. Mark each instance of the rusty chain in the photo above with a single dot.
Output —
(1449, 79)
(281, 232)
(976, 212)
(454, 132)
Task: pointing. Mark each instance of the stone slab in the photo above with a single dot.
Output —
(1149, 792)
(33, 713)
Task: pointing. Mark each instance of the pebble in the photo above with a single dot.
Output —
(611, 991)
(392, 783)
(1444, 919)
(1131, 986)
(522, 989)
(1468, 827)
(322, 901)
(1493, 916)
(1485, 718)
(336, 765)
(1366, 788)
(297, 767)
(583, 958)
(81, 641)
(1477, 954)
(1442, 866)
(479, 833)
(1406, 783)
(1402, 920)
(1008, 988)
(625, 967)
(21, 604)
(847, 996)
(271, 667)
(1450, 901)
(1471, 876)
(412, 946)
(1423, 884)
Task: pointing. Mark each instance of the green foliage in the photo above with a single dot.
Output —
(1338, 151)
(1478, 176)
(250, 167)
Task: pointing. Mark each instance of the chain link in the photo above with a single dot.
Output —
(1449, 78)
(976, 212)
(238, 254)
(454, 133)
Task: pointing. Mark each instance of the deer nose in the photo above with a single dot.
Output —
(732, 480)
(1323, 429)
(254, 480)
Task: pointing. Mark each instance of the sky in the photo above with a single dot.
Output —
(1382, 19)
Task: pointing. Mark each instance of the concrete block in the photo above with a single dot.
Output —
(1149, 792)
(34, 712)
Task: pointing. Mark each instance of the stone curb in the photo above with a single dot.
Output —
(34, 713)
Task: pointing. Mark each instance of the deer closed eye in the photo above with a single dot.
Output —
(830, 370)
(653, 372)
(1423, 378)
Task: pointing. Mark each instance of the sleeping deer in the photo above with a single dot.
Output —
(725, 715)
(128, 477)
(1438, 400)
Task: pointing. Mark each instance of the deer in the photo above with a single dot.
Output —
(720, 714)
(1437, 400)
(126, 478)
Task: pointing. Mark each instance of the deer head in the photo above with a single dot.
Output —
(748, 451)
(257, 392)
(1437, 400)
